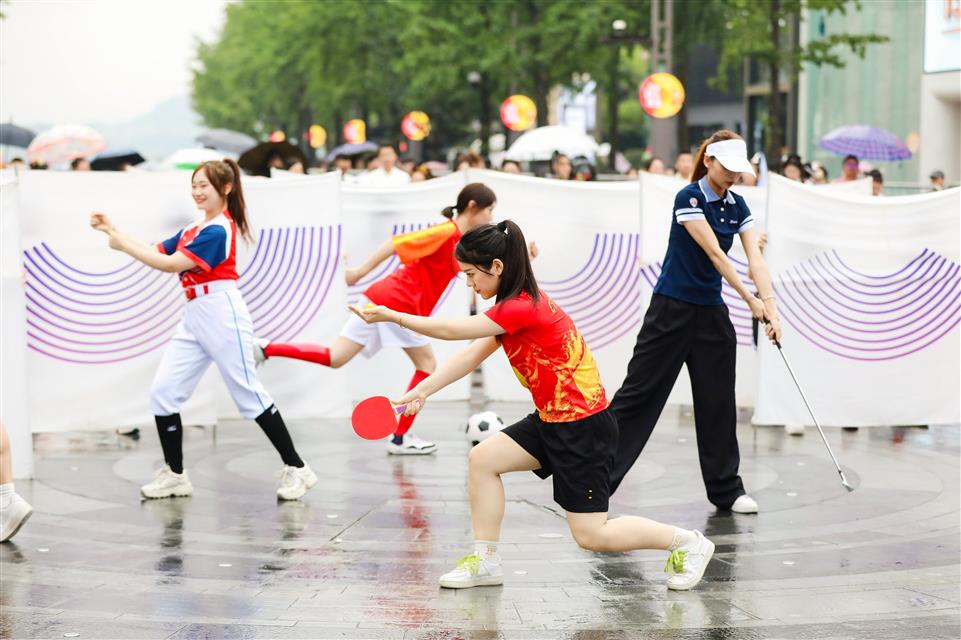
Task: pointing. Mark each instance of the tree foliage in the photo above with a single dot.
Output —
(289, 64)
(286, 65)
(757, 30)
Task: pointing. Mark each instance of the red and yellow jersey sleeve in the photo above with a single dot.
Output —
(422, 243)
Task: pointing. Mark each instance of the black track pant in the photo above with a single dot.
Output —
(675, 333)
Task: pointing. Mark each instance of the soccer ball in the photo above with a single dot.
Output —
(481, 426)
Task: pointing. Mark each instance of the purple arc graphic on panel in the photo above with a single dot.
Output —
(621, 281)
(263, 305)
(598, 238)
(823, 264)
(595, 286)
(88, 317)
(909, 309)
(285, 285)
(917, 287)
(132, 296)
(262, 283)
(322, 284)
(93, 275)
(821, 311)
(584, 290)
(602, 297)
(291, 290)
(42, 254)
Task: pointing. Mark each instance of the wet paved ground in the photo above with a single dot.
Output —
(359, 557)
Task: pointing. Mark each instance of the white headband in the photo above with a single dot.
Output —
(727, 148)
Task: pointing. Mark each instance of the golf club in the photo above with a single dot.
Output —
(844, 481)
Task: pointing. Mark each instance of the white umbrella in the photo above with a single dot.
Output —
(190, 158)
(542, 142)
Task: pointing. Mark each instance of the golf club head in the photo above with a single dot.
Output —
(844, 481)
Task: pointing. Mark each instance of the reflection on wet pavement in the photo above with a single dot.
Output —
(359, 556)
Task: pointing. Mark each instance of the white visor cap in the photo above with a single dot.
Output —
(732, 154)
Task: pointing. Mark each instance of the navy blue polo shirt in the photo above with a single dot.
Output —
(687, 273)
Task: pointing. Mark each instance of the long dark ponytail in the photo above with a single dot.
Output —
(699, 169)
(482, 195)
(221, 173)
(503, 241)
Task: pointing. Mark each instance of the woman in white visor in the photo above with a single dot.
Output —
(687, 322)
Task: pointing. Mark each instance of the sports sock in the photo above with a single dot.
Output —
(171, 432)
(316, 353)
(683, 539)
(487, 549)
(273, 426)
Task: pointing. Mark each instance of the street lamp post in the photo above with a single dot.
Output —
(476, 80)
(663, 138)
(617, 38)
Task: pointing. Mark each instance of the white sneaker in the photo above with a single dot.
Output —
(412, 446)
(13, 516)
(294, 482)
(686, 565)
(744, 504)
(794, 429)
(259, 356)
(473, 571)
(167, 484)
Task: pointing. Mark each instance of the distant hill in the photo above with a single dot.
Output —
(169, 126)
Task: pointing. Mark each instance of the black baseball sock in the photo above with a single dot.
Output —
(273, 425)
(171, 433)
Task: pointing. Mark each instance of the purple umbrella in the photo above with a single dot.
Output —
(867, 143)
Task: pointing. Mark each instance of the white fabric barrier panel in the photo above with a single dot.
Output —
(859, 187)
(371, 215)
(868, 292)
(588, 238)
(98, 321)
(293, 283)
(13, 341)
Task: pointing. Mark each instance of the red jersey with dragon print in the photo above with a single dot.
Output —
(550, 358)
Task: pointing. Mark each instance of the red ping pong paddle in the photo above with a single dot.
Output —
(375, 418)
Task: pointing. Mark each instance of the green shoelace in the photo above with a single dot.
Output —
(472, 562)
(675, 562)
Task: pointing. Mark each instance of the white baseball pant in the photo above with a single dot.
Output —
(214, 328)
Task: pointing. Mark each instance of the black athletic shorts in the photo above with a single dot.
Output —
(578, 454)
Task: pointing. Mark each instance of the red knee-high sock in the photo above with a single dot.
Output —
(317, 353)
(405, 422)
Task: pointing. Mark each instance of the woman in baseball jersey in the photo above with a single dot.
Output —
(428, 266)
(215, 327)
(572, 435)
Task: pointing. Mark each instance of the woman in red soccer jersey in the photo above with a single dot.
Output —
(572, 435)
(428, 266)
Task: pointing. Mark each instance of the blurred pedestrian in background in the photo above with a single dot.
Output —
(684, 166)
